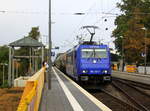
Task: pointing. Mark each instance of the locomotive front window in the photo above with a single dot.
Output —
(100, 53)
(86, 53)
(94, 53)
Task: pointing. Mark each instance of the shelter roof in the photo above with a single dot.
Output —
(26, 42)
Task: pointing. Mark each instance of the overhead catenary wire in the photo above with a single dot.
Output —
(107, 15)
(42, 12)
(79, 25)
(103, 14)
(23, 12)
(72, 41)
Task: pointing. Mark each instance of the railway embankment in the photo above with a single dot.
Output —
(9, 98)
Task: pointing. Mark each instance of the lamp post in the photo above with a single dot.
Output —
(50, 43)
(145, 51)
(122, 51)
(50, 48)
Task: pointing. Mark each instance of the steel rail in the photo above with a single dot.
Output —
(141, 85)
(137, 104)
(134, 86)
(121, 101)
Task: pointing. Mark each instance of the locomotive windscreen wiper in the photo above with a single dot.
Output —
(91, 55)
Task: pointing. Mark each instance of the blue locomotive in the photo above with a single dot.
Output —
(89, 63)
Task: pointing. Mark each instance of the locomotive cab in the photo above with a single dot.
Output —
(94, 63)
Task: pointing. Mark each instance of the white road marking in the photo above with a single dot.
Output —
(75, 105)
(99, 104)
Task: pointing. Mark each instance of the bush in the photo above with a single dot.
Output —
(5, 85)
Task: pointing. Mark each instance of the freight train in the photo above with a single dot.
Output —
(86, 62)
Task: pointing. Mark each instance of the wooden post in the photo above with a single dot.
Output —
(30, 62)
(42, 54)
(9, 68)
(13, 68)
(33, 60)
(3, 73)
(17, 69)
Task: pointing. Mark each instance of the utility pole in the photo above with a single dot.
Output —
(145, 47)
(122, 55)
(50, 44)
(145, 50)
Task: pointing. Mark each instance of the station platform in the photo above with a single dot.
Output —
(137, 77)
(66, 95)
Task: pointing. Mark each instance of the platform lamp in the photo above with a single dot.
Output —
(145, 51)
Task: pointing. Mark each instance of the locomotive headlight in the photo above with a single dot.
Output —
(105, 71)
(84, 71)
(94, 61)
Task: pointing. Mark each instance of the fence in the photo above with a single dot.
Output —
(131, 68)
(141, 69)
(32, 93)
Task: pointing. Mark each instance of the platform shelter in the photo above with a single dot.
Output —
(31, 44)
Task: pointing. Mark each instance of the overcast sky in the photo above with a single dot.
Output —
(21, 15)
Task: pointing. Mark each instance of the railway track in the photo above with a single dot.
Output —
(142, 88)
(122, 95)
(140, 85)
(113, 102)
(138, 97)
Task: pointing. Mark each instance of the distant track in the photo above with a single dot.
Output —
(141, 85)
(138, 97)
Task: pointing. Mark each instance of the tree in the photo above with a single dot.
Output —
(34, 33)
(24, 64)
(128, 34)
(114, 57)
(4, 51)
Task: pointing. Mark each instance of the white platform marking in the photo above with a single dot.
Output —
(99, 104)
(75, 105)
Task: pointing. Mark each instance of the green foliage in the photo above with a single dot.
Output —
(34, 33)
(114, 57)
(128, 34)
(5, 85)
(4, 54)
(24, 63)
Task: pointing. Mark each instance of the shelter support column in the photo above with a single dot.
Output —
(13, 68)
(30, 64)
(9, 68)
(42, 54)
